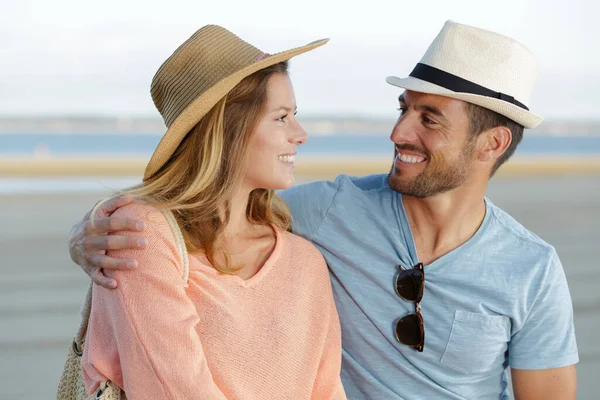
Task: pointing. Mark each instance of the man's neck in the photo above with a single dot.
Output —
(441, 223)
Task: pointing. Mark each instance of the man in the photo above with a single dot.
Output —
(438, 290)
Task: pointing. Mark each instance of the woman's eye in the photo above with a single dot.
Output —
(282, 118)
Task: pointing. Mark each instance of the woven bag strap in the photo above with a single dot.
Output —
(85, 316)
(87, 303)
(180, 243)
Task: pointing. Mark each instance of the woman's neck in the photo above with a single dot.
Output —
(238, 223)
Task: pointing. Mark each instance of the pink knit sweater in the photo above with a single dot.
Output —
(273, 336)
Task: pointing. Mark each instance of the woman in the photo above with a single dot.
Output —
(255, 318)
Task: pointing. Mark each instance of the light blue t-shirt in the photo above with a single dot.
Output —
(501, 299)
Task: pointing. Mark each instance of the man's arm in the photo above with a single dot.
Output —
(545, 384)
(543, 353)
(89, 240)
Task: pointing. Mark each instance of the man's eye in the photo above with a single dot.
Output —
(402, 110)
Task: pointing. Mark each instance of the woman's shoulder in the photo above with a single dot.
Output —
(140, 210)
(294, 239)
(301, 262)
(300, 247)
(157, 226)
(154, 217)
(161, 244)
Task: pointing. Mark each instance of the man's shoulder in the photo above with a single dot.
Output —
(311, 203)
(343, 183)
(365, 183)
(348, 185)
(521, 238)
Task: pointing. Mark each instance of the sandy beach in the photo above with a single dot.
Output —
(311, 167)
(41, 290)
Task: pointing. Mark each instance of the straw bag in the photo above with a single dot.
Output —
(71, 385)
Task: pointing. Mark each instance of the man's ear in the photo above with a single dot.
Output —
(493, 143)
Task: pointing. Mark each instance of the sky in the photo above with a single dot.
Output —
(73, 57)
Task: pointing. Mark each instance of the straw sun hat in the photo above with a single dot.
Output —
(199, 74)
(480, 67)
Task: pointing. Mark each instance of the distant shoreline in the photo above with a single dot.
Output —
(315, 125)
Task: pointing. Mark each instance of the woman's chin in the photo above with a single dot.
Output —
(280, 184)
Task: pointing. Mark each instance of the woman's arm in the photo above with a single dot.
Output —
(328, 384)
(143, 335)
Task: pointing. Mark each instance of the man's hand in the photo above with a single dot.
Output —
(89, 241)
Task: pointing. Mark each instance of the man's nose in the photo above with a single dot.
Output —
(405, 129)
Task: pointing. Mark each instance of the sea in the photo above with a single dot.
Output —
(102, 144)
(339, 144)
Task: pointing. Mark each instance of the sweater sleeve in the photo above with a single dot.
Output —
(142, 335)
(328, 384)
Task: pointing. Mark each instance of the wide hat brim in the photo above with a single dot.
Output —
(198, 108)
(514, 112)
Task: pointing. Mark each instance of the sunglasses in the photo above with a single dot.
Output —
(409, 285)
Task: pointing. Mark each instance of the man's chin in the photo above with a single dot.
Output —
(397, 183)
(402, 176)
(406, 187)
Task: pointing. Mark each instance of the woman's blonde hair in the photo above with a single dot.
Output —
(200, 178)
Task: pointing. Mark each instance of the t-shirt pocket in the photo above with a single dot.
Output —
(477, 342)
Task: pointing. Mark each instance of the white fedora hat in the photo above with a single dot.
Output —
(480, 67)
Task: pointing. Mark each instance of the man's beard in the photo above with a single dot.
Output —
(439, 176)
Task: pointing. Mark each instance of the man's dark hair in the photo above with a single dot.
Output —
(482, 119)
